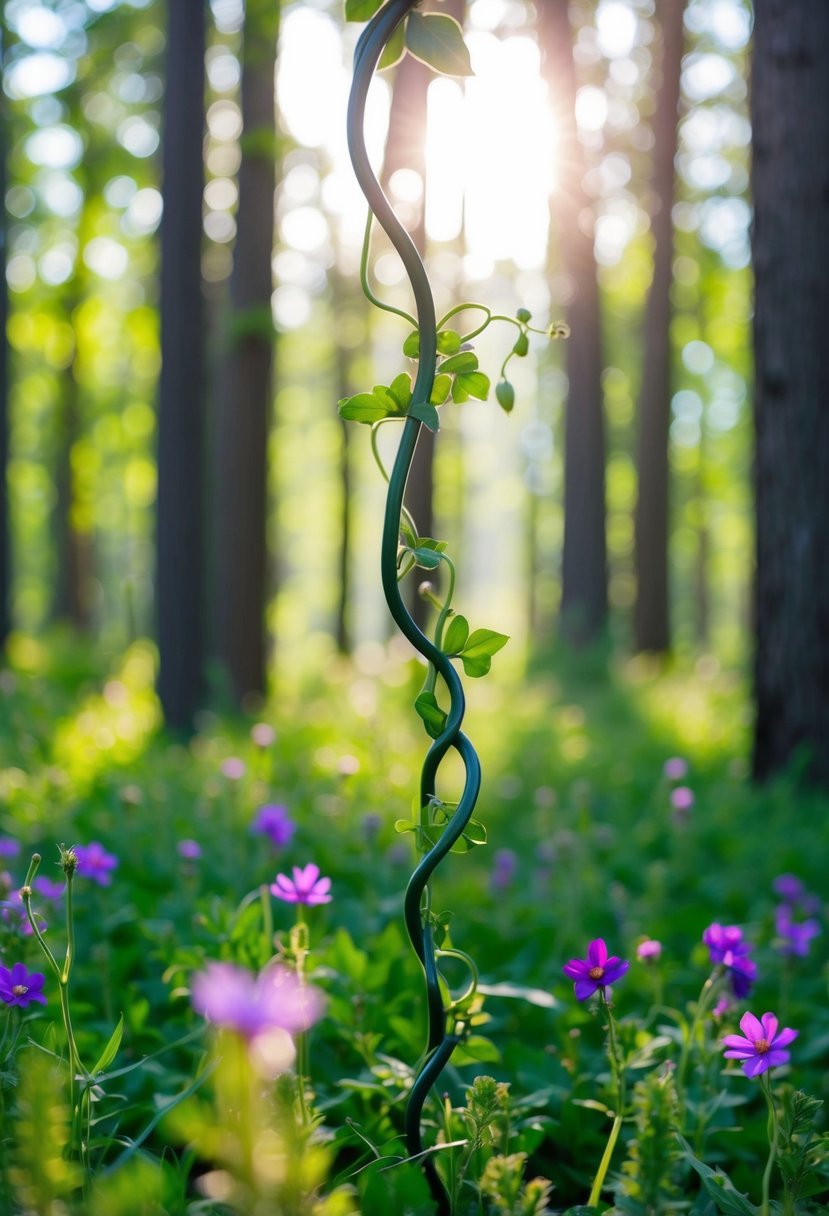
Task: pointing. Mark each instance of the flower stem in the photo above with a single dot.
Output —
(705, 996)
(604, 1164)
(774, 1134)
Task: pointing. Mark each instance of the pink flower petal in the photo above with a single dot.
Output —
(752, 1027)
(770, 1025)
(576, 969)
(597, 953)
(786, 1036)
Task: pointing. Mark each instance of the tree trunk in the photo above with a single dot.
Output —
(790, 181)
(651, 616)
(244, 405)
(181, 421)
(73, 548)
(584, 560)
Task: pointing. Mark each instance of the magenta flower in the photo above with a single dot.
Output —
(233, 768)
(263, 734)
(676, 768)
(274, 822)
(596, 971)
(94, 862)
(252, 1005)
(47, 888)
(649, 951)
(306, 887)
(682, 798)
(762, 1047)
(728, 949)
(190, 850)
(18, 986)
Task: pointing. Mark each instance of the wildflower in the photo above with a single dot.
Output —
(794, 935)
(16, 919)
(682, 798)
(648, 951)
(263, 734)
(504, 869)
(18, 986)
(274, 822)
(233, 768)
(676, 768)
(47, 889)
(190, 850)
(596, 971)
(306, 887)
(789, 887)
(722, 1007)
(727, 949)
(762, 1047)
(9, 847)
(94, 862)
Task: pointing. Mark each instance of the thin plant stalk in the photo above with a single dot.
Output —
(774, 1136)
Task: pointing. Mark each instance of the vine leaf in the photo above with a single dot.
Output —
(448, 342)
(426, 413)
(465, 361)
(427, 558)
(434, 718)
(364, 407)
(361, 10)
(394, 49)
(411, 347)
(437, 40)
(456, 635)
(470, 384)
(481, 645)
(401, 389)
(440, 389)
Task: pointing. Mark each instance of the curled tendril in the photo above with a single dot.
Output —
(441, 1042)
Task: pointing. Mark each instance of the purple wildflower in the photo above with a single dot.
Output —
(722, 1007)
(676, 768)
(18, 986)
(306, 887)
(190, 850)
(789, 887)
(596, 971)
(94, 862)
(47, 888)
(263, 734)
(274, 822)
(233, 768)
(794, 935)
(649, 951)
(728, 949)
(9, 847)
(762, 1047)
(250, 1005)
(504, 869)
(682, 798)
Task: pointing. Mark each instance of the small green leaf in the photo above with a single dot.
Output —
(459, 393)
(386, 398)
(364, 407)
(719, 1186)
(401, 387)
(427, 558)
(456, 635)
(361, 10)
(111, 1050)
(477, 666)
(394, 50)
(505, 395)
(440, 389)
(434, 719)
(522, 345)
(474, 384)
(524, 315)
(437, 40)
(465, 361)
(411, 347)
(449, 342)
(426, 413)
(401, 826)
(475, 1050)
(485, 641)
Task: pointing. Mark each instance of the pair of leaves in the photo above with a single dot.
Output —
(448, 343)
(467, 380)
(475, 650)
(384, 401)
(434, 38)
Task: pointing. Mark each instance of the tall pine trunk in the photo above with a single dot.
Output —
(245, 399)
(790, 182)
(584, 560)
(651, 616)
(180, 588)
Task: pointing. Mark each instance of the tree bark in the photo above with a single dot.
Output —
(181, 420)
(790, 182)
(651, 616)
(584, 559)
(244, 405)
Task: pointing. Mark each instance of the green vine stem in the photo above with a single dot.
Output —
(442, 1038)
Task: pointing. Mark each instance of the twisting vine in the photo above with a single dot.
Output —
(440, 826)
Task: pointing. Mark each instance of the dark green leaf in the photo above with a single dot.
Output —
(440, 389)
(111, 1050)
(465, 361)
(426, 413)
(394, 50)
(427, 558)
(474, 384)
(456, 635)
(434, 719)
(720, 1187)
(411, 347)
(437, 40)
(449, 342)
(505, 395)
(364, 407)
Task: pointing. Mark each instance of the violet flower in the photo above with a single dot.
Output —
(504, 869)
(676, 768)
(727, 949)
(47, 888)
(762, 1047)
(189, 850)
(274, 822)
(596, 971)
(306, 887)
(794, 935)
(9, 847)
(649, 951)
(20, 987)
(93, 861)
(250, 1005)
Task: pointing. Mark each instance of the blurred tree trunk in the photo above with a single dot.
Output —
(651, 616)
(790, 179)
(245, 399)
(73, 547)
(180, 583)
(5, 563)
(584, 561)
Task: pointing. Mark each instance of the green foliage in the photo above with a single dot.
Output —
(649, 1180)
(437, 40)
(503, 1183)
